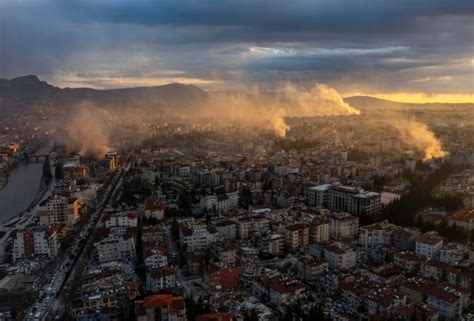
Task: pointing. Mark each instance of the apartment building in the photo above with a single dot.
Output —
(220, 203)
(345, 199)
(320, 230)
(159, 279)
(196, 234)
(59, 209)
(115, 248)
(38, 240)
(343, 226)
(340, 255)
(249, 225)
(429, 244)
(296, 236)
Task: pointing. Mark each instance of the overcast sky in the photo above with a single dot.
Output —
(399, 48)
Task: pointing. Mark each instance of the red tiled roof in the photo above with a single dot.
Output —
(160, 300)
(215, 317)
(287, 287)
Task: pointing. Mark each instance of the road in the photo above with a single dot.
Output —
(50, 302)
(56, 308)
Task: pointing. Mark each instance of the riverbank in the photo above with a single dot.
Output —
(6, 172)
(39, 196)
(44, 185)
(30, 178)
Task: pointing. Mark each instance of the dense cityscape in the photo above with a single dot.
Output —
(261, 194)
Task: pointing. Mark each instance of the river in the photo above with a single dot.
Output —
(23, 184)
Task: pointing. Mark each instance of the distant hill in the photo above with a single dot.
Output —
(366, 102)
(20, 94)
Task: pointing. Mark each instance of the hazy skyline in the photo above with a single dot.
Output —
(416, 51)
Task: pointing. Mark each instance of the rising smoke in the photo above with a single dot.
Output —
(87, 129)
(267, 111)
(419, 136)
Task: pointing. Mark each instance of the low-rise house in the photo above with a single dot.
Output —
(434, 270)
(453, 253)
(216, 317)
(387, 274)
(451, 301)
(310, 268)
(384, 302)
(154, 208)
(221, 278)
(463, 218)
(409, 261)
(340, 255)
(429, 245)
(415, 288)
(161, 307)
(283, 292)
(417, 312)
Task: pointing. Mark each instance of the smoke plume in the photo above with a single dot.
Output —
(320, 100)
(418, 135)
(87, 130)
(267, 111)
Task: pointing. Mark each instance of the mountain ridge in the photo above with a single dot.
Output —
(21, 93)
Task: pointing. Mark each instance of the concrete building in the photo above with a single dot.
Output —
(345, 199)
(454, 253)
(282, 292)
(161, 307)
(340, 255)
(375, 235)
(155, 208)
(429, 244)
(59, 210)
(196, 234)
(115, 248)
(343, 226)
(450, 301)
(221, 278)
(248, 225)
(40, 240)
(310, 268)
(160, 279)
(320, 230)
(226, 229)
(220, 203)
(121, 219)
(296, 236)
(271, 243)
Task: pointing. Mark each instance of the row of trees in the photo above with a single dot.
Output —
(404, 211)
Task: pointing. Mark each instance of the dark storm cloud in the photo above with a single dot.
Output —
(336, 41)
